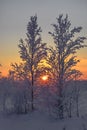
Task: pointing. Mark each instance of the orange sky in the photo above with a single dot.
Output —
(14, 18)
(10, 54)
(82, 65)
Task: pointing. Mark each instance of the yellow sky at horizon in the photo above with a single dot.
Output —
(82, 66)
(13, 56)
(10, 54)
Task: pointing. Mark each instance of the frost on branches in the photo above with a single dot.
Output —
(66, 45)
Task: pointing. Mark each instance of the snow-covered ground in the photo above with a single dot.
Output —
(40, 121)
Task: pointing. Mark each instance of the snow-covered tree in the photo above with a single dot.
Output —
(32, 51)
(6, 93)
(19, 72)
(64, 59)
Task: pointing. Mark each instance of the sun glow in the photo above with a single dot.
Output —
(44, 78)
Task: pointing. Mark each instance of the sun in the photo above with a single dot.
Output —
(44, 77)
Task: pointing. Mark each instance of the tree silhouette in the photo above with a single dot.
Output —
(32, 51)
(63, 57)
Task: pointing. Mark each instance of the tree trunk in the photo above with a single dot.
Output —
(70, 108)
(32, 93)
(77, 111)
(60, 102)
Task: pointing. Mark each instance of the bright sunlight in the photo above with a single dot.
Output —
(45, 77)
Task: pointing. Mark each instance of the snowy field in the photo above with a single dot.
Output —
(40, 121)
